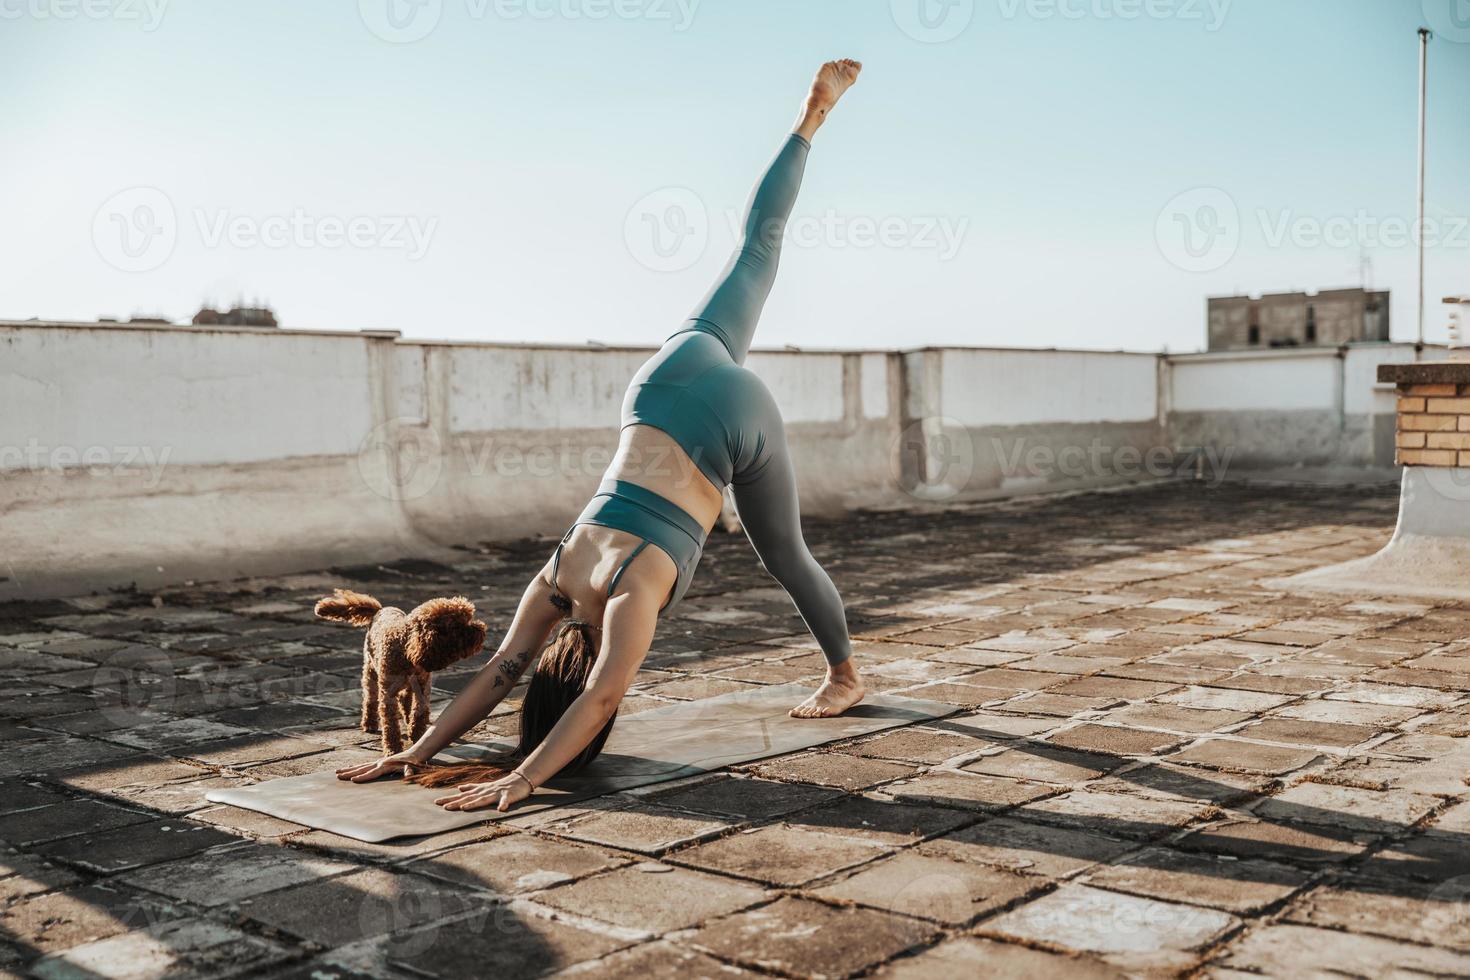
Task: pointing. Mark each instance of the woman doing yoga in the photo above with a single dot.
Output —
(694, 421)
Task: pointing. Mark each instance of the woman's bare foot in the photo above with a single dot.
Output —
(833, 79)
(842, 689)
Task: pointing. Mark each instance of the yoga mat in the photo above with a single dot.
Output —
(683, 739)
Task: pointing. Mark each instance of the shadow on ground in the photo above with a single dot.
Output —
(124, 710)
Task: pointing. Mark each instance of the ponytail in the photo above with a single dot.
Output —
(559, 678)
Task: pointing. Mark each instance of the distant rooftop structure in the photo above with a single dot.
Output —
(1325, 318)
(150, 319)
(236, 316)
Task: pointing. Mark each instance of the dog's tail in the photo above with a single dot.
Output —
(345, 606)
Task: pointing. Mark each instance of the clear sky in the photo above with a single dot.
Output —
(1007, 172)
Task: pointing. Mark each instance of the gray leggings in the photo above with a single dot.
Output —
(762, 473)
(724, 416)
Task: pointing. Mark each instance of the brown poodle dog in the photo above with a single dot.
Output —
(401, 653)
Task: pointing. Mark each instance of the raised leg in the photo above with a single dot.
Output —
(732, 308)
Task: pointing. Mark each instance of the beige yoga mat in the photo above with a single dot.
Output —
(680, 740)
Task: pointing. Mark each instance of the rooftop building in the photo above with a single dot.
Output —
(1326, 318)
(236, 316)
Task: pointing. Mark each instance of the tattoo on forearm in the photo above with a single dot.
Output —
(511, 668)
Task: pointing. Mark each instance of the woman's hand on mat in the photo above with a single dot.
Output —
(502, 794)
(368, 771)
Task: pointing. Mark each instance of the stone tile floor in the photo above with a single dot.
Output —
(1164, 766)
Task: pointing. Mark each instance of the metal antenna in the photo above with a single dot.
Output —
(1424, 36)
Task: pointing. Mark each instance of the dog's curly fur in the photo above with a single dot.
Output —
(401, 653)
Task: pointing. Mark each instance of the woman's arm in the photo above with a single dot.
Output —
(534, 618)
(628, 624)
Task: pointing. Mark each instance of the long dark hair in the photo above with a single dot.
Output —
(559, 678)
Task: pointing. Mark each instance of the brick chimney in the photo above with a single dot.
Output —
(1429, 553)
(1433, 412)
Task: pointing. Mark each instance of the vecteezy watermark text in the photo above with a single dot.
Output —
(1361, 230)
(669, 230)
(145, 463)
(405, 459)
(678, 13)
(137, 229)
(1210, 14)
(147, 13)
(1201, 230)
(937, 21)
(406, 21)
(942, 234)
(407, 233)
(1025, 460)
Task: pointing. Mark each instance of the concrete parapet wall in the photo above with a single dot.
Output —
(1289, 408)
(157, 454)
(984, 423)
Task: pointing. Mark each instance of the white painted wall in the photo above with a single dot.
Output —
(1027, 387)
(273, 449)
(200, 397)
(524, 388)
(873, 385)
(1289, 379)
(1255, 382)
(807, 386)
(1361, 392)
